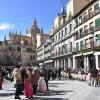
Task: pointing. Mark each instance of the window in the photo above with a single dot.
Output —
(86, 43)
(91, 26)
(81, 32)
(91, 41)
(56, 37)
(62, 33)
(59, 35)
(70, 46)
(76, 21)
(85, 15)
(81, 44)
(96, 6)
(98, 40)
(70, 27)
(64, 47)
(80, 19)
(86, 29)
(76, 35)
(77, 46)
(90, 12)
(30, 57)
(66, 31)
(33, 57)
(97, 23)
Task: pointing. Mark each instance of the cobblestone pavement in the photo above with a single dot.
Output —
(59, 90)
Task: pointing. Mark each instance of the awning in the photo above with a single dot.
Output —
(40, 64)
(48, 61)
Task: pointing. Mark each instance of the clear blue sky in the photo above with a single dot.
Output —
(18, 14)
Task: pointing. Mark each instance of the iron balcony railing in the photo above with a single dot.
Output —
(85, 32)
(88, 16)
(90, 45)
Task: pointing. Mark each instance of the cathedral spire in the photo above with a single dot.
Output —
(63, 10)
(16, 32)
(20, 33)
(10, 33)
(5, 41)
(34, 23)
(42, 30)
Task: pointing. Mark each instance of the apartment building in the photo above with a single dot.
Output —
(87, 36)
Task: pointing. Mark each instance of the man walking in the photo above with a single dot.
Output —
(94, 73)
(17, 80)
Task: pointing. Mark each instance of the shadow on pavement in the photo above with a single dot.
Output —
(53, 92)
(40, 98)
(6, 94)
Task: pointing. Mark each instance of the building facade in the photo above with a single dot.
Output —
(87, 33)
(76, 35)
(22, 48)
(44, 54)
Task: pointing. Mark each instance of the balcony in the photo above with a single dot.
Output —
(91, 14)
(88, 47)
(84, 33)
(62, 53)
(88, 16)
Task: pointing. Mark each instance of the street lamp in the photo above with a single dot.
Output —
(93, 49)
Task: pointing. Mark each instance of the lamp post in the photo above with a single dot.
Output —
(93, 49)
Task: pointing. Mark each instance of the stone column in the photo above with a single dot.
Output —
(69, 63)
(96, 61)
(87, 62)
(74, 63)
(64, 64)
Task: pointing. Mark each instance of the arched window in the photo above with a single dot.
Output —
(10, 48)
(18, 49)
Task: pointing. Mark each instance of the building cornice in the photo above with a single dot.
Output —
(84, 8)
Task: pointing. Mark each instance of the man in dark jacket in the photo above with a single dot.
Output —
(94, 73)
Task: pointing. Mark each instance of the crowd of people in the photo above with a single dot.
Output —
(27, 80)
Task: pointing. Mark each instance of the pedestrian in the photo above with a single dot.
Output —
(94, 73)
(35, 79)
(17, 81)
(59, 73)
(28, 84)
(23, 72)
(98, 78)
(1, 79)
(42, 83)
(45, 72)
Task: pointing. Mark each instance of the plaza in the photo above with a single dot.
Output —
(59, 90)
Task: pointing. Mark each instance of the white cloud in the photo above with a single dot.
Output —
(4, 26)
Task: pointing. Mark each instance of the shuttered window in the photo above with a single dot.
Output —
(97, 23)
